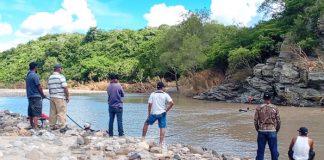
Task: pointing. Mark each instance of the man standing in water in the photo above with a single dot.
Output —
(301, 147)
(34, 94)
(59, 98)
(115, 101)
(267, 124)
(157, 109)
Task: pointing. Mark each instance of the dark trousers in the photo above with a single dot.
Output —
(310, 157)
(271, 138)
(118, 112)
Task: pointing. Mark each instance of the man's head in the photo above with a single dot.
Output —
(303, 131)
(58, 68)
(113, 77)
(266, 96)
(160, 85)
(32, 66)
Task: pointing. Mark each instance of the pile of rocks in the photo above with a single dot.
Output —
(290, 85)
(76, 144)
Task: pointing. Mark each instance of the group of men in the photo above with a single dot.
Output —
(159, 102)
(267, 123)
(266, 120)
(59, 97)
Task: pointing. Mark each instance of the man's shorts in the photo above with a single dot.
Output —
(160, 117)
(34, 107)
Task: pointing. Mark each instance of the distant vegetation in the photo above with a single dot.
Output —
(167, 51)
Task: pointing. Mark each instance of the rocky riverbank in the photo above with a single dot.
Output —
(289, 83)
(17, 142)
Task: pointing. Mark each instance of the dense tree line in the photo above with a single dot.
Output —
(167, 51)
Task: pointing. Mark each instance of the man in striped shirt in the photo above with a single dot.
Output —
(59, 98)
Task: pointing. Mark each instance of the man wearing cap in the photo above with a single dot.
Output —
(301, 147)
(115, 101)
(34, 94)
(159, 104)
(59, 95)
(267, 124)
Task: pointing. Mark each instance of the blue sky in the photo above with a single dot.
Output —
(23, 20)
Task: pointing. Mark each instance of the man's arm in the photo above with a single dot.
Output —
(170, 105)
(311, 144)
(149, 108)
(278, 120)
(67, 95)
(256, 119)
(292, 143)
(40, 90)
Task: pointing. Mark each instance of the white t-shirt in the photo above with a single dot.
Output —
(159, 100)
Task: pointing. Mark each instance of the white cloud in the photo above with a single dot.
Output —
(10, 44)
(73, 16)
(162, 14)
(5, 29)
(234, 11)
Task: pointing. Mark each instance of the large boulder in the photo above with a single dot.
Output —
(259, 84)
(289, 74)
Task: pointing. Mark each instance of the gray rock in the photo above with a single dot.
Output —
(177, 157)
(134, 156)
(122, 151)
(109, 148)
(196, 149)
(259, 84)
(80, 140)
(33, 155)
(48, 135)
(289, 74)
(22, 125)
(156, 150)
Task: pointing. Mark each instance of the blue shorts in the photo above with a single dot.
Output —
(35, 107)
(160, 117)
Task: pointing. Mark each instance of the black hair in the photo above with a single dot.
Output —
(112, 76)
(160, 85)
(32, 65)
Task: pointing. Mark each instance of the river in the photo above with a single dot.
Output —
(215, 125)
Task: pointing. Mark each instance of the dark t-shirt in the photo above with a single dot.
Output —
(32, 83)
(115, 93)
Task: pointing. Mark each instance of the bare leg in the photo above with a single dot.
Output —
(145, 127)
(162, 133)
(31, 121)
(35, 119)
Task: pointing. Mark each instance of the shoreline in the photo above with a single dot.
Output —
(17, 142)
(22, 92)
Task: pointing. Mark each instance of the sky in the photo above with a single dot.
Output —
(24, 20)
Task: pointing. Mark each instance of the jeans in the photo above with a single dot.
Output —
(271, 138)
(311, 154)
(119, 113)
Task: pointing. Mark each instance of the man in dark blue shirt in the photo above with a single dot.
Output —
(34, 94)
(115, 101)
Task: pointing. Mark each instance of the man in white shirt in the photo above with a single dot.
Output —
(159, 104)
(301, 147)
(59, 98)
